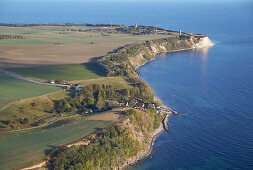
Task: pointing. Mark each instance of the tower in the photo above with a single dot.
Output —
(136, 25)
(179, 32)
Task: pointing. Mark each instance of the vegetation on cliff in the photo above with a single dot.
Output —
(113, 146)
(125, 61)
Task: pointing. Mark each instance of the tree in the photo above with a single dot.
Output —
(25, 121)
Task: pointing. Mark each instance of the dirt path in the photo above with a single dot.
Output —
(21, 77)
(29, 79)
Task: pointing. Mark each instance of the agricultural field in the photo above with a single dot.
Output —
(24, 149)
(13, 89)
(60, 34)
(67, 72)
(49, 45)
(115, 82)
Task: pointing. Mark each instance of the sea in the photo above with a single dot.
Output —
(211, 88)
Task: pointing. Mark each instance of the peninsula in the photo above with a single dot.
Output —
(95, 112)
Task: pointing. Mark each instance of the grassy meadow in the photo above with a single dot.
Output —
(116, 82)
(68, 72)
(20, 150)
(24, 108)
(13, 89)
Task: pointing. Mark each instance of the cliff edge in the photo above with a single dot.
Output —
(127, 60)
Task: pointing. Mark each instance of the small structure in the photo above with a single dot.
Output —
(151, 106)
(140, 104)
(179, 33)
(136, 25)
(78, 88)
(136, 103)
(67, 87)
(133, 102)
(52, 82)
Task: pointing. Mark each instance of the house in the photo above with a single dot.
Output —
(136, 103)
(140, 104)
(133, 102)
(78, 88)
(52, 82)
(151, 106)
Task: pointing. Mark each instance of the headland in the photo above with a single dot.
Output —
(126, 138)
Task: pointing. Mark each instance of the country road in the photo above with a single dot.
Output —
(29, 79)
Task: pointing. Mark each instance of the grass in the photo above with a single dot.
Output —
(59, 95)
(58, 34)
(68, 72)
(42, 108)
(116, 82)
(12, 89)
(19, 150)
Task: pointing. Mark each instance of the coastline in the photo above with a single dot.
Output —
(164, 123)
(147, 151)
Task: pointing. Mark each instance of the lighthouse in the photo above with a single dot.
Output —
(136, 25)
(179, 32)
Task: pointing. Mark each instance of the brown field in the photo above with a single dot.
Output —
(25, 55)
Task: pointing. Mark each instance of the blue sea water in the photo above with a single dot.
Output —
(213, 86)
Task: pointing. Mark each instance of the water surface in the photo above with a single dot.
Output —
(213, 86)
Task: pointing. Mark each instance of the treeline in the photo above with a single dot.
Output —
(8, 37)
(14, 123)
(110, 149)
(139, 30)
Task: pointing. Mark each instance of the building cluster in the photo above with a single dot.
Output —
(138, 104)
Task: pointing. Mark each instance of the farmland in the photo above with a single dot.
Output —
(13, 89)
(60, 34)
(62, 72)
(20, 150)
(49, 45)
(55, 117)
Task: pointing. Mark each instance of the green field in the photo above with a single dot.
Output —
(58, 34)
(68, 72)
(19, 150)
(115, 82)
(12, 89)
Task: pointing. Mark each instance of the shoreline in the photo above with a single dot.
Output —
(148, 151)
(164, 108)
(173, 51)
(164, 123)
